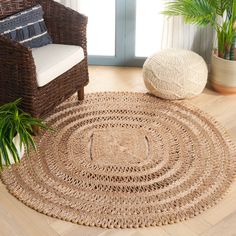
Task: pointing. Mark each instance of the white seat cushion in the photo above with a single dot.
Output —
(53, 60)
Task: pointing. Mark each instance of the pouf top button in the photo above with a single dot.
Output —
(175, 74)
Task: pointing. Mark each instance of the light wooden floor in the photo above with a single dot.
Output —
(19, 220)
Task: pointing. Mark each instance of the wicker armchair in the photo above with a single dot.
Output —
(17, 67)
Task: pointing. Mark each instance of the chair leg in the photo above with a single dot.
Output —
(81, 94)
(36, 130)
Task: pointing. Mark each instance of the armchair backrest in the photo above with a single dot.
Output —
(10, 7)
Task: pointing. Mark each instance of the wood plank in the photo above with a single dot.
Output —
(179, 229)
(197, 225)
(226, 227)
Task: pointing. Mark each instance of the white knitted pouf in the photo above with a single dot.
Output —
(175, 74)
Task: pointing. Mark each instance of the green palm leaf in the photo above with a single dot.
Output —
(200, 12)
(220, 14)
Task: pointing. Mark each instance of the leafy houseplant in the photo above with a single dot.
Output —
(16, 129)
(221, 15)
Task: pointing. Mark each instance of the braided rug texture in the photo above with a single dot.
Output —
(125, 160)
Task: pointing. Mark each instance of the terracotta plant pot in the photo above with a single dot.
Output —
(223, 75)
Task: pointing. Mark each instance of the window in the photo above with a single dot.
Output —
(122, 32)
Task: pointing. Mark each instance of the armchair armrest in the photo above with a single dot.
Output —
(13, 50)
(65, 25)
(17, 71)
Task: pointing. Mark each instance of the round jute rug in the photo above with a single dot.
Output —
(125, 160)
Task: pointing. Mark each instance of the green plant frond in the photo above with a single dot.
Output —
(25, 140)
(4, 128)
(14, 120)
(11, 133)
(221, 6)
(4, 113)
(5, 156)
(220, 14)
(2, 156)
(12, 149)
(32, 142)
(1, 164)
(200, 12)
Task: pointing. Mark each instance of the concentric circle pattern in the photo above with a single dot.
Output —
(125, 160)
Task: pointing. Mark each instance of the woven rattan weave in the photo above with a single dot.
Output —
(17, 66)
(125, 160)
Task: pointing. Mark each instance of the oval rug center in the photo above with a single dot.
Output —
(118, 146)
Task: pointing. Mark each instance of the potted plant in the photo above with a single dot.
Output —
(16, 130)
(221, 15)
